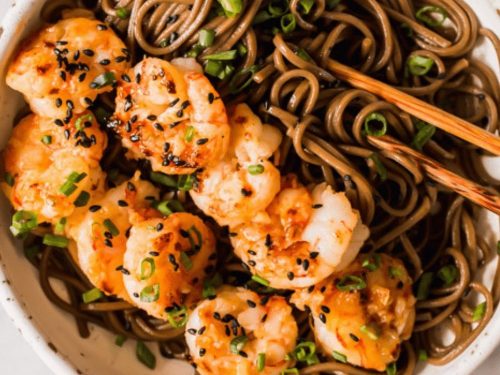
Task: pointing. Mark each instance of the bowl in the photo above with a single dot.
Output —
(53, 334)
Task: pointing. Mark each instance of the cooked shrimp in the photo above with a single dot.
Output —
(49, 166)
(101, 234)
(302, 237)
(245, 182)
(171, 115)
(228, 334)
(61, 69)
(362, 314)
(166, 262)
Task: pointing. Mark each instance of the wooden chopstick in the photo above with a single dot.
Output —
(437, 172)
(418, 108)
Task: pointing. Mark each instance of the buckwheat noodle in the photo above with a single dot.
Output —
(284, 77)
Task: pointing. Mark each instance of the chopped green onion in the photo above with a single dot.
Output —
(419, 65)
(195, 247)
(288, 23)
(186, 261)
(47, 139)
(371, 122)
(147, 268)
(381, 170)
(302, 53)
(424, 286)
(32, 252)
(163, 179)
(68, 188)
(242, 49)
(260, 280)
(214, 68)
(59, 227)
(238, 82)
(261, 361)
(330, 4)
(9, 179)
(122, 13)
(339, 356)
(479, 312)
(256, 169)
(277, 8)
(425, 133)
(422, 355)
(120, 340)
(186, 182)
(206, 37)
(448, 274)
(262, 17)
(306, 352)
(92, 295)
(424, 14)
(391, 369)
(290, 371)
(306, 5)
(395, 272)
(371, 330)
(111, 227)
(407, 30)
(194, 51)
(237, 344)
(350, 283)
(55, 240)
(103, 80)
(144, 355)
(231, 7)
(174, 314)
(227, 72)
(150, 293)
(80, 121)
(168, 207)
(222, 56)
(189, 133)
(372, 263)
(23, 222)
(82, 199)
(210, 285)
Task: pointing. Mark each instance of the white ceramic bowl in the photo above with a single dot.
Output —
(42, 323)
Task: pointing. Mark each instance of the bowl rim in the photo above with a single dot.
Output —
(12, 303)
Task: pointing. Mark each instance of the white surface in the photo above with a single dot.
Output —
(17, 357)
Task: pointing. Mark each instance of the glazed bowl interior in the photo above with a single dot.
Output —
(53, 333)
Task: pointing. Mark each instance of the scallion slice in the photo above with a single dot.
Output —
(177, 316)
(23, 222)
(210, 286)
(306, 352)
(222, 56)
(419, 65)
(231, 7)
(163, 179)
(82, 199)
(260, 280)
(424, 286)
(372, 263)
(381, 170)
(189, 133)
(306, 6)
(391, 369)
(186, 261)
(422, 355)
(103, 80)
(479, 312)
(425, 13)
(168, 207)
(68, 188)
(55, 240)
(302, 53)
(185, 182)
(349, 283)
(150, 293)
(59, 227)
(425, 133)
(206, 37)
(122, 13)
(120, 340)
(278, 8)
(147, 268)
(256, 169)
(47, 139)
(448, 274)
(288, 23)
(194, 51)
(261, 361)
(339, 356)
(238, 343)
(214, 68)
(242, 49)
(371, 330)
(111, 227)
(9, 179)
(144, 355)
(242, 79)
(290, 371)
(375, 124)
(92, 295)
(395, 272)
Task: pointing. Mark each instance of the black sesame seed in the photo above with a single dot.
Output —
(174, 124)
(88, 52)
(290, 275)
(135, 138)
(252, 263)
(94, 208)
(251, 303)
(102, 27)
(138, 78)
(180, 113)
(305, 264)
(325, 309)
(298, 261)
(120, 59)
(108, 243)
(82, 77)
(354, 337)
(122, 203)
(322, 290)
(158, 126)
(62, 74)
(126, 78)
(151, 117)
(88, 101)
(264, 318)
(66, 133)
(191, 331)
(70, 104)
(76, 55)
(201, 330)
(310, 289)
(61, 42)
(201, 141)
(313, 254)
(251, 252)
(202, 352)
(269, 241)
(227, 331)
(246, 192)
(264, 300)
(58, 102)
(322, 317)
(105, 62)
(216, 315)
(317, 205)
(243, 354)
(174, 102)
(211, 98)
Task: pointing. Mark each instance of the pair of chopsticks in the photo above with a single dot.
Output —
(437, 117)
